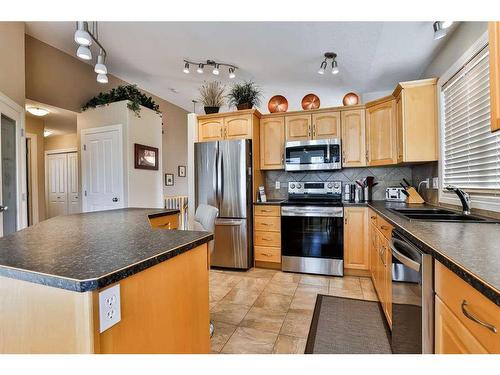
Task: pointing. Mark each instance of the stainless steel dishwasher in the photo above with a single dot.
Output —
(412, 298)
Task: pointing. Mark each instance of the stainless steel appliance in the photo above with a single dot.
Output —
(322, 154)
(395, 194)
(312, 228)
(224, 180)
(412, 297)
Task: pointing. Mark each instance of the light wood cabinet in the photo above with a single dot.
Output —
(417, 125)
(165, 222)
(356, 255)
(353, 138)
(267, 236)
(210, 130)
(381, 133)
(272, 143)
(298, 127)
(224, 127)
(238, 127)
(494, 46)
(326, 125)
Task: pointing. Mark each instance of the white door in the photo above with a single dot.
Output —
(73, 184)
(102, 168)
(57, 194)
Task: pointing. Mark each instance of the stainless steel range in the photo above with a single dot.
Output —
(312, 228)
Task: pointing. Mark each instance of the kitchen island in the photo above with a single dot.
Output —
(51, 275)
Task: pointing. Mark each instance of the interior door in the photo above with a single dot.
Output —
(73, 184)
(8, 176)
(102, 167)
(57, 185)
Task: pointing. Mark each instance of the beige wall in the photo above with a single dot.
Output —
(12, 76)
(35, 126)
(60, 142)
(56, 78)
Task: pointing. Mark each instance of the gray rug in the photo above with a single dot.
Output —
(347, 326)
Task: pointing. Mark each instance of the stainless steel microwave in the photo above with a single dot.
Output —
(314, 155)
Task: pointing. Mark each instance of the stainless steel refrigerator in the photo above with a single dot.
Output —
(224, 180)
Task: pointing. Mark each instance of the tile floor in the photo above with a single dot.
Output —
(267, 311)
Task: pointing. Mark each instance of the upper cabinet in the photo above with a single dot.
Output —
(227, 126)
(238, 127)
(417, 126)
(494, 46)
(381, 133)
(272, 142)
(322, 125)
(211, 129)
(353, 138)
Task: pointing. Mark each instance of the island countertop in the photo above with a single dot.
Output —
(89, 251)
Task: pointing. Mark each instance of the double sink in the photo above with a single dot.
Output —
(439, 214)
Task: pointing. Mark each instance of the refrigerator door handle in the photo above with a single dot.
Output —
(217, 177)
(222, 177)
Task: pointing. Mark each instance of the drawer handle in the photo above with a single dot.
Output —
(266, 224)
(489, 326)
(266, 210)
(267, 254)
(373, 217)
(384, 227)
(165, 225)
(266, 239)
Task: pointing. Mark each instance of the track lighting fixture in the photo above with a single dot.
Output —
(85, 38)
(211, 63)
(440, 28)
(329, 56)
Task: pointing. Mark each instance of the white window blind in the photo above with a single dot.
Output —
(471, 150)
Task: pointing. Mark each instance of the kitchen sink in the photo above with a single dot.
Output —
(439, 214)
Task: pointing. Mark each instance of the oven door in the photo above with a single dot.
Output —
(312, 155)
(312, 241)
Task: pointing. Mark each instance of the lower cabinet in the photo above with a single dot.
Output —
(356, 255)
(165, 222)
(267, 236)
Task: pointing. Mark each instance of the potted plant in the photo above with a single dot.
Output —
(212, 96)
(244, 95)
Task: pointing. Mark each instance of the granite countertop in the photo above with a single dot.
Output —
(270, 202)
(471, 250)
(89, 251)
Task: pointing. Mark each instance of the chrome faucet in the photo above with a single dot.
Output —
(464, 198)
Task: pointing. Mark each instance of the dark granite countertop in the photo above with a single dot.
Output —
(89, 251)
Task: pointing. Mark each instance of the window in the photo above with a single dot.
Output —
(471, 152)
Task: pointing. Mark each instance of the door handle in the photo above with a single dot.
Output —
(4, 208)
(115, 199)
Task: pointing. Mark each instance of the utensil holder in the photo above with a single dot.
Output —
(367, 193)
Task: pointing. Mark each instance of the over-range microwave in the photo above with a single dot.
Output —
(314, 155)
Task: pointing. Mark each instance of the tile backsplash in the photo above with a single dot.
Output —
(385, 176)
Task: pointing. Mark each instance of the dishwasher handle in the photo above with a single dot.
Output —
(404, 258)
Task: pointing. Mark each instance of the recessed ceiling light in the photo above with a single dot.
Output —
(37, 111)
(46, 133)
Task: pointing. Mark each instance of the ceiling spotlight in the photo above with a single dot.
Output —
(199, 70)
(439, 31)
(446, 24)
(84, 53)
(100, 68)
(322, 68)
(37, 111)
(231, 73)
(102, 78)
(82, 37)
(216, 70)
(46, 133)
(186, 68)
(335, 68)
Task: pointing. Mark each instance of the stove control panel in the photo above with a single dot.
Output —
(316, 188)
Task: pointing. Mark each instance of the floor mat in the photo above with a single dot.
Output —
(347, 326)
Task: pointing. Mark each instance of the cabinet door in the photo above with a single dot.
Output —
(210, 130)
(353, 138)
(399, 127)
(238, 127)
(494, 46)
(326, 125)
(388, 283)
(355, 238)
(298, 127)
(452, 337)
(272, 143)
(373, 246)
(381, 133)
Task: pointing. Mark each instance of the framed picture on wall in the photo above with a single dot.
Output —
(146, 157)
(181, 171)
(169, 179)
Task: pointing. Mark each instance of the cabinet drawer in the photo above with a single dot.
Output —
(268, 239)
(453, 291)
(384, 227)
(373, 217)
(267, 210)
(267, 224)
(267, 254)
(165, 222)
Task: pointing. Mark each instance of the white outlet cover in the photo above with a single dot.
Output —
(435, 182)
(277, 185)
(109, 307)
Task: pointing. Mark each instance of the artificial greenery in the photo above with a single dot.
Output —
(212, 94)
(125, 92)
(245, 93)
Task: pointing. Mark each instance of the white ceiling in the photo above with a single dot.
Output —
(281, 57)
(59, 121)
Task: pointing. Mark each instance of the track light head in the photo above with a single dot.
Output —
(186, 68)
(335, 68)
(231, 73)
(439, 31)
(100, 68)
(199, 70)
(102, 78)
(82, 37)
(446, 24)
(322, 68)
(216, 70)
(84, 53)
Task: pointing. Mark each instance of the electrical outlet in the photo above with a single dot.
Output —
(277, 185)
(435, 182)
(109, 307)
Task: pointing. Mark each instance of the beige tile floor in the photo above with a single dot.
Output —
(266, 311)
